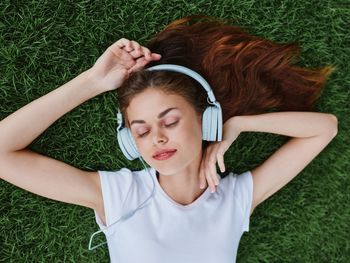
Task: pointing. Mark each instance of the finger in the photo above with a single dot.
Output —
(128, 46)
(144, 51)
(140, 63)
(216, 178)
(221, 163)
(210, 181)
(213, 173)
(123, 43)
(212, 162)
(156, 56)
(147, 53)
(208, 170)
(143, 60)
(135, 45)
(136, 53)
(202, 180)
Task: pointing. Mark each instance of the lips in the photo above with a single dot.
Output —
(164, 156)
(165, 151)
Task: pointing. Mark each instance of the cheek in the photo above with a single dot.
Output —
(141, 147)
(145, 151)
(190, 134)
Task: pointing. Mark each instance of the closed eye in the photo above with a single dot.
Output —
(168, 126)
(171, 124)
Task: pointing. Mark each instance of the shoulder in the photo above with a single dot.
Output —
(240, 184)
(243, 179)
(116, 174)
(240, 179)
(122, 177)
(123, 171)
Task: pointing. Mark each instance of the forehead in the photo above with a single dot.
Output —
(151, 102)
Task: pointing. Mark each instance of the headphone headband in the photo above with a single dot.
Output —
(188, 72)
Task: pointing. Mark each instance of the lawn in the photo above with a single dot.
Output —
(44, 44)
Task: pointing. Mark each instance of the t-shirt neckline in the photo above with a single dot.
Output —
(195, 203)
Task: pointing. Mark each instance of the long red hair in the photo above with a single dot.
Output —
(248, 74)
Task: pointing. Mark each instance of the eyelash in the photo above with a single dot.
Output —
(168, 126)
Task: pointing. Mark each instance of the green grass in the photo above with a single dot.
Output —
(44, 44)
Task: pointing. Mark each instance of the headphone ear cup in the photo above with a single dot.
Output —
(133, 148)
(219, 122)
(214, 123)
(211, 124)
(127, 144)
(206, 124)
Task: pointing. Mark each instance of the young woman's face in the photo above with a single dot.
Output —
(154, 127)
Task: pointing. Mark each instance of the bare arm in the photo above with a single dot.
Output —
(20, 128)
(289, 123)
(38, 173)
(312, 132)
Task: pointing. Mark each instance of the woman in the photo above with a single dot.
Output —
(183, 222)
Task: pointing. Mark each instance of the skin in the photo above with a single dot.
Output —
(178, 175)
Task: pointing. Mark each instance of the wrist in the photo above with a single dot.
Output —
(94, 83)
(238, 123)
(232, 129)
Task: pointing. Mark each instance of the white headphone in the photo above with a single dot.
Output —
(211, 120)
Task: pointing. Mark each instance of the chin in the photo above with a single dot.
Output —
(166, 171)
(161, 168)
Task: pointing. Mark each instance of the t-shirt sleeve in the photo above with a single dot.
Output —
(115, 186)
(244, 193)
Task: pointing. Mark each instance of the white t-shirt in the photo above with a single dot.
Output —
(208, 230)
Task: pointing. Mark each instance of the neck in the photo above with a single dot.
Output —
(183, 186)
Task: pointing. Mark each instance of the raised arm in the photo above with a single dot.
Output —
(49, 177)
(311, 132)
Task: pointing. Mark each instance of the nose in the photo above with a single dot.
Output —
(159, 137)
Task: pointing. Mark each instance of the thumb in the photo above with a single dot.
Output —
(156, 56)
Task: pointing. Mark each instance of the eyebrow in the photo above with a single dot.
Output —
(160, 115)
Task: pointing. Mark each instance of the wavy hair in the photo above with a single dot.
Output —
(248, 74)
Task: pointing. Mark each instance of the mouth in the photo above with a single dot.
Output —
(164, 156)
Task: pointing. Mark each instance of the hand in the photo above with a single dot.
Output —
(118, 61)
(215, 152)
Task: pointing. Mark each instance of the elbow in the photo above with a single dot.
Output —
(334, 125)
